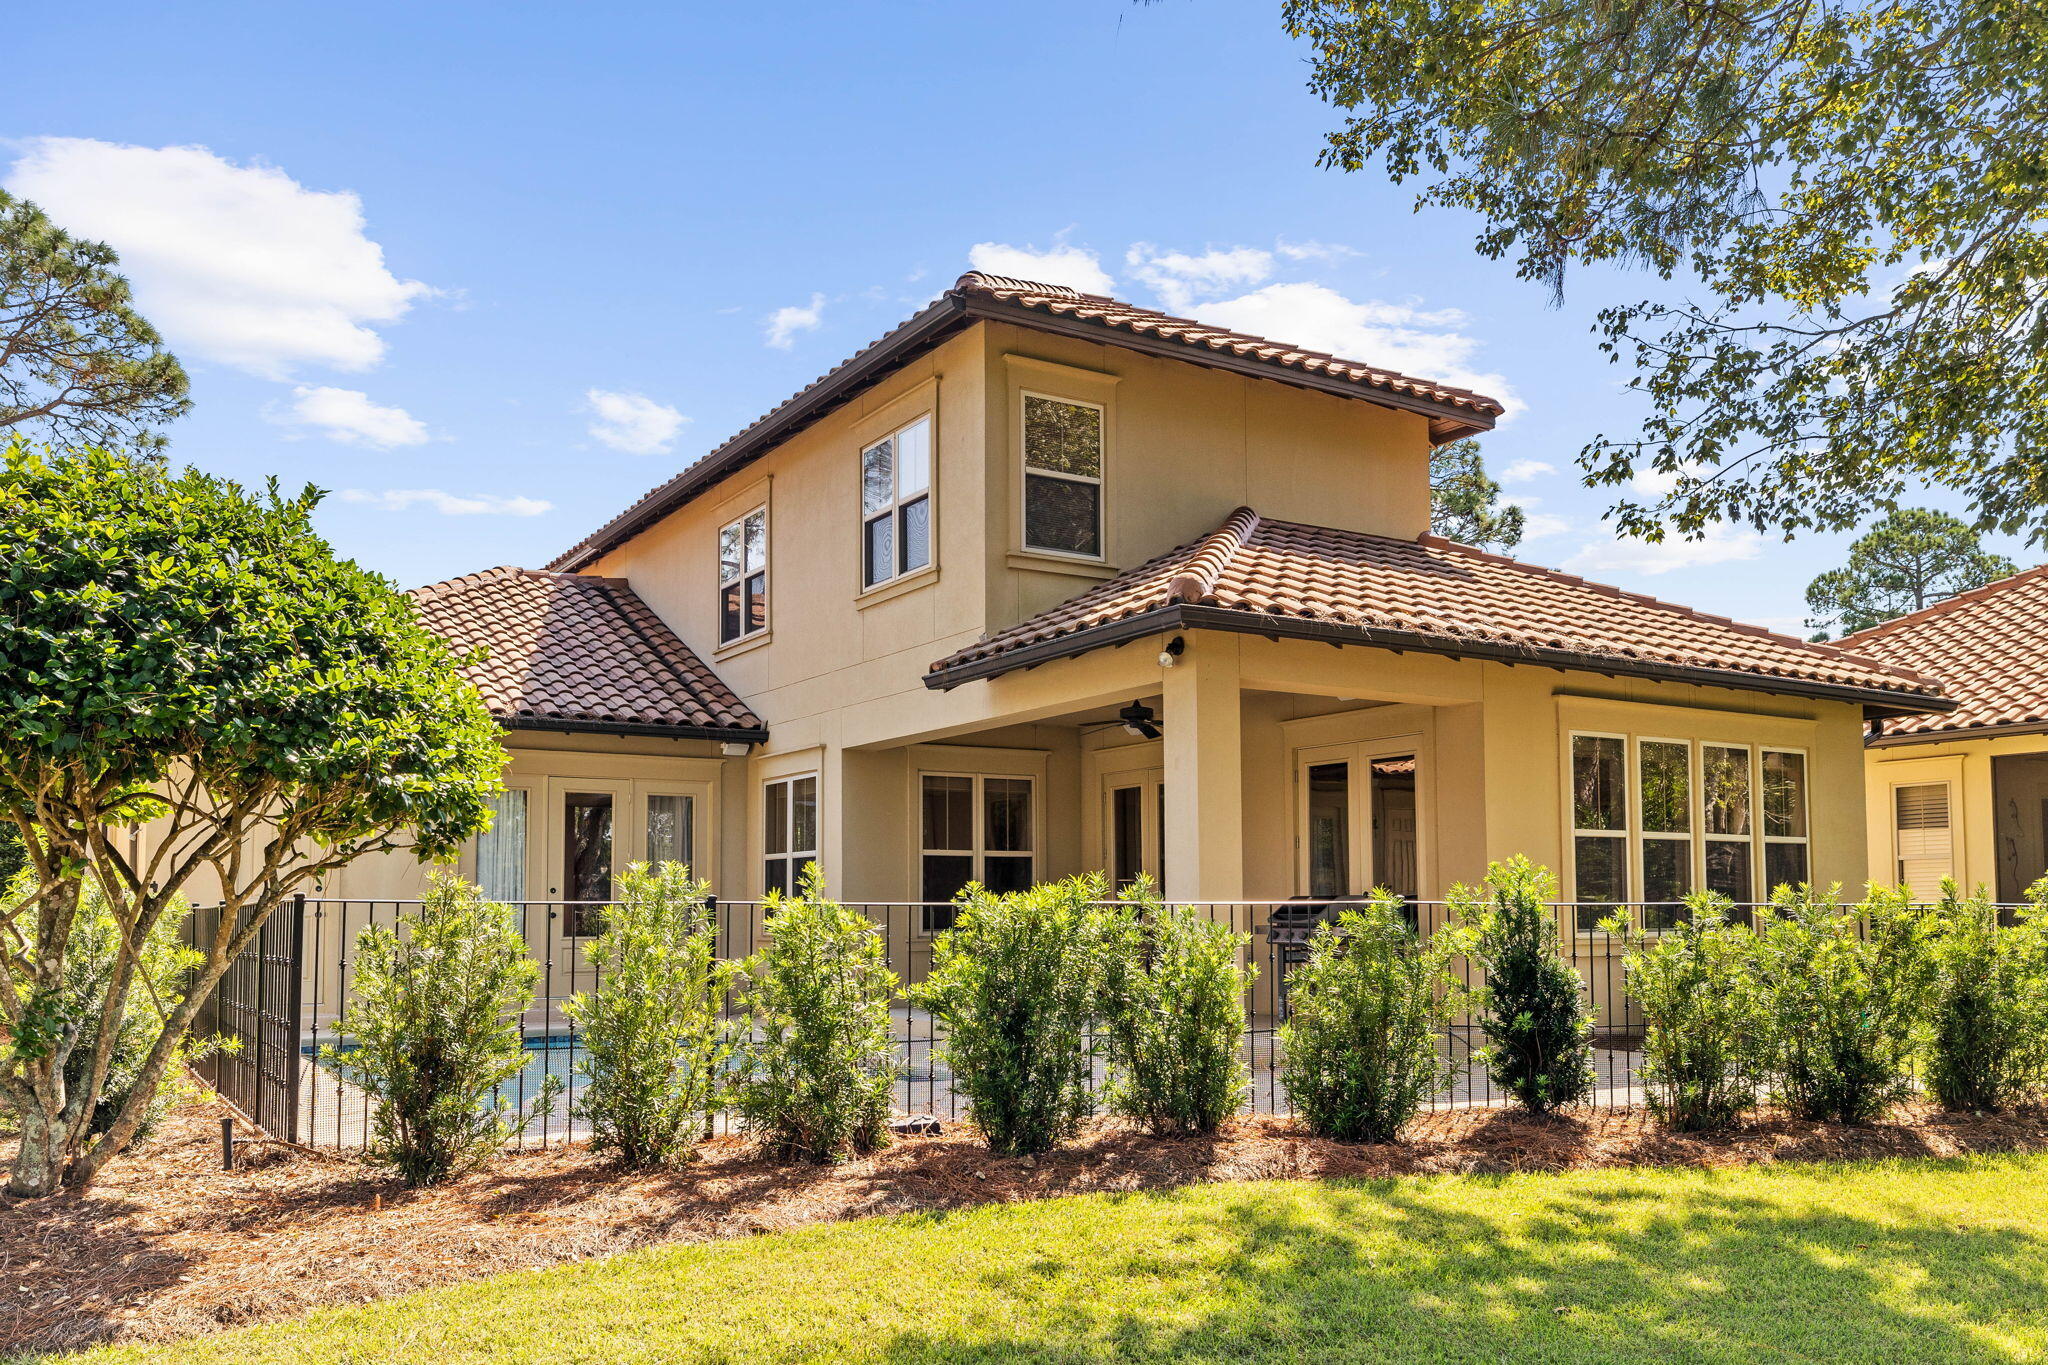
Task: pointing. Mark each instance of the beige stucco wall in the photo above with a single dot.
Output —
(1965, 767)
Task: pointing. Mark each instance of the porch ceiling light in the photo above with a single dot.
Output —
(1139, 720)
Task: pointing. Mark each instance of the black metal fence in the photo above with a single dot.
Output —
(287, 1015)
(258, 1010)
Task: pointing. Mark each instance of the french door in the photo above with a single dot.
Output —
(1134, 834)
(1358, 820)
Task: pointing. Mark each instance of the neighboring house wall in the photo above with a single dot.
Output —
(1994, 794)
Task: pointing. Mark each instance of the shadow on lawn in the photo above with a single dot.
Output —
(1639, 1271)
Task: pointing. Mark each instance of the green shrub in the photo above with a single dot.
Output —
(1704, 1046)
(654, 1030)
(433, 1028)
(1533, 1011)
(155, 990)
(1173, 1014)
(1013, 986)
(1988, 1020)
(1359, 1051)
(819, 1066)
(1846, 996)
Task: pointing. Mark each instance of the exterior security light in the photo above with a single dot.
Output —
(1171, 654)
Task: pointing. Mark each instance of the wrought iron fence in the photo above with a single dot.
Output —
(258, 1010)
(292, 1074)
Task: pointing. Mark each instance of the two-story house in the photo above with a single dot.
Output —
(1043, 582)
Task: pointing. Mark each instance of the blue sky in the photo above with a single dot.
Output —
(491, 271)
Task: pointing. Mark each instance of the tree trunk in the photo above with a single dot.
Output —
(39, 1164)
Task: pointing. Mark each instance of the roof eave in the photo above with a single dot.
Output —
(636, 729)
(1877, 703)
(1957, 735)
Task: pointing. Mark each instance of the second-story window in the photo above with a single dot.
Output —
(743, 576)
(896, 504)
(1062, 476)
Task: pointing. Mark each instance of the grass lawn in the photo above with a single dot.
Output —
(1889, 1261)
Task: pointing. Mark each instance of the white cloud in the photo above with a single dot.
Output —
(1536, 525)
(447, 504)
(1521, 471)
(1073, 266)
(1656, 483)
(1399, 336)
(348, 416)
(236, 264)
(1179, 279)
(1329, 253)
(1720, 545)
(785, 323)
(632, 422)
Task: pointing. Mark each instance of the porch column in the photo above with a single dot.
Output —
(1204, 793)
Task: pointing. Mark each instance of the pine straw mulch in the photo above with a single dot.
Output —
(167, 1244)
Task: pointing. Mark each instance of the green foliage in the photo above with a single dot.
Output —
(1704, 1043)
(820, 1065)
(655, 1034)
(1845, 995)
(1850, 195)
(1912, 559)
(72, 1016)
(1013, 986)
(173, 633)
(1988, 1019)
(433, 1029)
(1464, 503)
(76, 359)
(1359, 1050)
(1537, 1024)
(1173, 1014)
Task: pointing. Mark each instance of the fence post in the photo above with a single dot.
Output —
(262, 1017)
(295, 992)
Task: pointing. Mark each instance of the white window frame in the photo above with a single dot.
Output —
(747, 630)
(1751, 841)
(792, 858)
(933, 919)
(1949, 790)
(1628, 816)
(1027, 473)
(1764, 886)
(900, 498)
(1642, 835)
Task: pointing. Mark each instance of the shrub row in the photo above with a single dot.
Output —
(1829, 1009)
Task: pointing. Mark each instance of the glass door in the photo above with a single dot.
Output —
(1359, 821)
(588, 818)
(1134, 806)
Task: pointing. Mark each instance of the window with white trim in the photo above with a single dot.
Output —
(972, 828)
(789, 831)
(1063, 476)
(1599, 825)
(1922, 838)
(896, 504)
(1664, 786)
(743, 576)
(1787, 857)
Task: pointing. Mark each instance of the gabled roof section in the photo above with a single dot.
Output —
(1989, 647)
(976, 297)
(568, 652)
(1280, 578)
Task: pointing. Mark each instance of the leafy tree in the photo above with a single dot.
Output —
(177, 650)
(75, 358)
(1912, 558)
(1851, 194)
(1464, 503)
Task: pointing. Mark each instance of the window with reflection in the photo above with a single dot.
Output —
(896, 504)
(1599, 787)
(1062, 476)
(973, 828)
(1725, 786)
(1785, 834)
(586, 860)
(789, 831)
(743, 577)
(1664, 779)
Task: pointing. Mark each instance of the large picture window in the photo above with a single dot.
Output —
(896, 504)
(972, 829)
(1062, 476)
(743, 577)
(790, 831)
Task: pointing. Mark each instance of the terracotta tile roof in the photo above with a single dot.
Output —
(1127, 317)
(977, 297)
(576, 649)
(1989, 647)
(1278, 577)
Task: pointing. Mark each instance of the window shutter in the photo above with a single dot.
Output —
(1925, 849)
